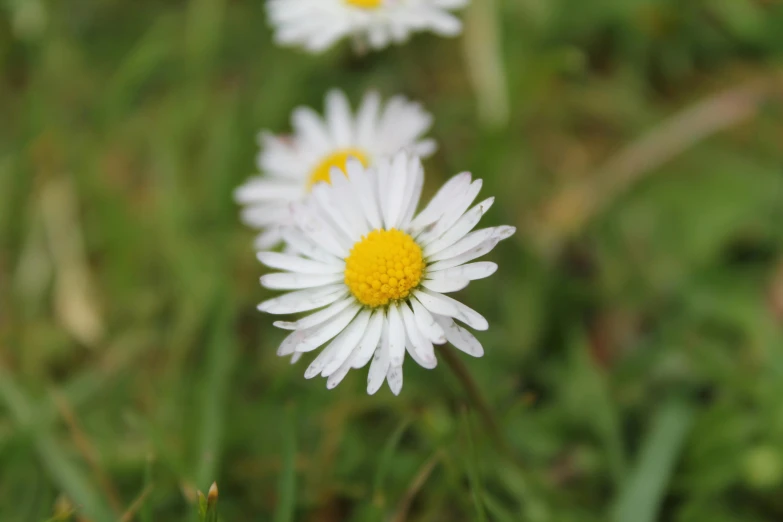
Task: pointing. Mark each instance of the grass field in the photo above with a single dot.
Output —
(634, 362)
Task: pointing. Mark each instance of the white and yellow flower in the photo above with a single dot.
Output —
(291, 165)
(317, 24)
(378, 271)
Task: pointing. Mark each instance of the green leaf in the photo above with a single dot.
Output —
(207, 505)
(202, 507)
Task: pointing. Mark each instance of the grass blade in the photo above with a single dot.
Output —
(145, 515)
(484, 60)
(287, 489)
(62, 470)
(384, 462)
(220, 362)
(640, 500)
(473, 471)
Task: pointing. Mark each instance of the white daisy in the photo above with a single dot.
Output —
(318, 24)
(379, 274)
(291, 166)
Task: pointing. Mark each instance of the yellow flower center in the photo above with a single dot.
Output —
(384, 266)
(337, 159)
(365, 4)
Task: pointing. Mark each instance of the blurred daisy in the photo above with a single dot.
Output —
(379, 272)
(291, 166)
(318, 24)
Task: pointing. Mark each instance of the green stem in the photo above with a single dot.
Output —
(476, 399)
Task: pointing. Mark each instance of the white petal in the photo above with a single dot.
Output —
(426, 323)
(326, 195)
(268, 238)
(382, 175)
(370, 341)
(444, 24)
(402, 124)
(295, 357)
(339, 117)
(263, 189)
(380, 363)
(419, 346)
(329, 330)
(395, 203)
(311, 130)
(427, 364)
(464, 313)
(352, 212)
(465, 224)
(365, 193)
(317, 317)
(349, 340)
(470, 271)
(328, 35)
(339, 350)
(473, 240)
(320, 360)
(394, 378)
(399, 31)
(396, 336)
(459, 337)
(280, 158)
(297, 281)
(367, 117)
(394, 120)
(265, 214)
(316, 231)
(299, 242)
(453, 213)
(470, 255)
(436, 303)
(295, 338)
(425, 148)
(338, 376)
(446, 284)
(441, 201)
(415, 185)
(378, 36)
(287, 347)
(303, 300)
(294, 263)
(450, 4)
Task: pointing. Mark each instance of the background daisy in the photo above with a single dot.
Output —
(290, 166)
(379, 271)
(318, 24)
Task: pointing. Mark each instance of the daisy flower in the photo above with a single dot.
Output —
(291, 166)
(379, 272)
(318, 24)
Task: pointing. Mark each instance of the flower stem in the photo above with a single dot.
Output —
(476, 399)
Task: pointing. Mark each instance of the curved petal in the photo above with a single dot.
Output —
(304, 300)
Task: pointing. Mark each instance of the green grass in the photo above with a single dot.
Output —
(634, 364)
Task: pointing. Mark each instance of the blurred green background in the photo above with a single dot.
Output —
(634, 363)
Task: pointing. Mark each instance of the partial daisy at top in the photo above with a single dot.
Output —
(317, 24)
(292, 165)
(375, 273)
